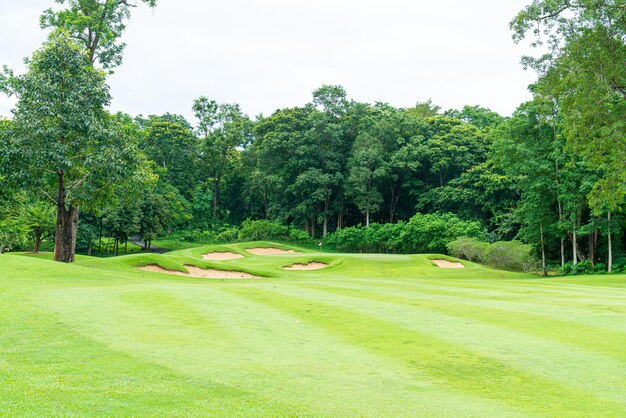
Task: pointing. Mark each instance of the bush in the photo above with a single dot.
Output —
(511, 255)
(619, 264)
(583, 267)
(432, 233)
(264, 230)
(13, 236)
(375, 238)
(504, 255)
(422, 234)
(298, 235)
(249, 231)
(202, 237)
(469, 249)
(229, 235)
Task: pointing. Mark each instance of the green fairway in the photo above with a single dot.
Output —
(370, 335)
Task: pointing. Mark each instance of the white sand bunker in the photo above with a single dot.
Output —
(200, 272)
(270, 251)
(445, 264)
(219, 256)
(315, 265)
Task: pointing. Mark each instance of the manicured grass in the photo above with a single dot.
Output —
(376, 335)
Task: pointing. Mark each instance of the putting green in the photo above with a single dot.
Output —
(370, 335)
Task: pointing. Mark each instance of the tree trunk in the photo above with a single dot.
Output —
(560, 205)
(37, 242)
(66, 226)
(116, 245)
(216, 195)
(100, 237)
(396, 191)
(561, 220)
(313, 227)
(391, 208)
(544, 268)
(610, 262)
(65, 234)
(367, 217)
(579, 222)
(593, 241)
(574, 245)
(340, 208)
(325, 225)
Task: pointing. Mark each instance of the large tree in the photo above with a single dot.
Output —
(584, 71)
(366, 171)
(64, 143)
(95, 24)
(173, 148)
(227, 131)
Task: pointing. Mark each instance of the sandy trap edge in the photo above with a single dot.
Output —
(270, 251)
(445, 264)
(314, 265)
(200, 272)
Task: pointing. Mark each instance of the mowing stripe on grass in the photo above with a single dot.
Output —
(51, 370)
(563, 330)
(258, 349)
(550, 359)
(505, 289)
(459, 368)
(597, 316)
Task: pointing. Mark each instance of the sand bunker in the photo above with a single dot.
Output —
(200, 272)
(307, 267)
(219, 256)
(270, 251)
(445, 264)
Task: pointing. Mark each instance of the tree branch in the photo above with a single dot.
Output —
(53, 200)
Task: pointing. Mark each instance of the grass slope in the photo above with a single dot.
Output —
(372, 335)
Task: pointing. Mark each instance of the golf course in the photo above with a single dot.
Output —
(305, 334)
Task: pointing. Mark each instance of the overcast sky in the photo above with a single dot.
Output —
(272, 54)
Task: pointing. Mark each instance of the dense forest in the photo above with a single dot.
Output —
(548, 182)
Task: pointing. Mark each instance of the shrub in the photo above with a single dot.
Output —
(619, 264)
(511, 255)
(375, 238)
(504, 255)
(204, 237)
(228, 235)
(469, 249)
(431, 233)
(298, 235)
(583, 267)
(13, 236)
(262, 230)
(249, 231)
(422, 234)
(346, 239)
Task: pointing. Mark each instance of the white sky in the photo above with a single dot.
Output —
(272, 54)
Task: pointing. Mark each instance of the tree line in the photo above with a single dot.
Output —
(552, 175)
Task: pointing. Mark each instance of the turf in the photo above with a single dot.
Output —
(376, 335)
